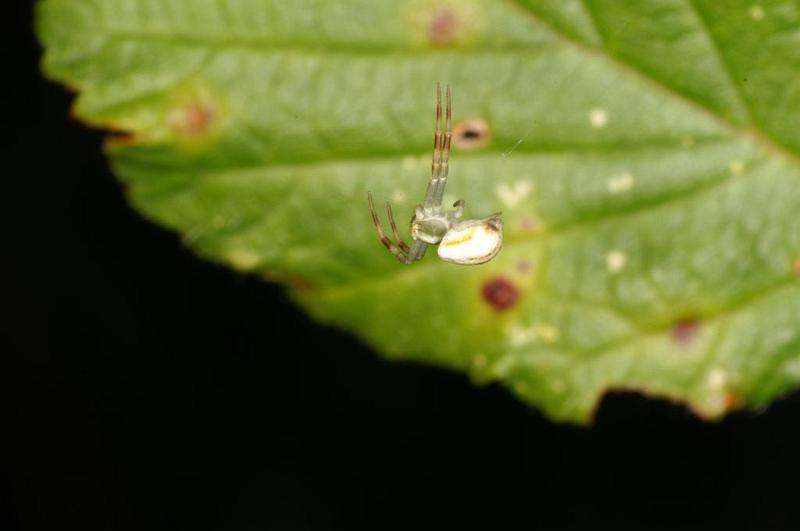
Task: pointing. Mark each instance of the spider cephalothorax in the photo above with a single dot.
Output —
(466, 242)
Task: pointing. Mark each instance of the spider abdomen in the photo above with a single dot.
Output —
(472, 242)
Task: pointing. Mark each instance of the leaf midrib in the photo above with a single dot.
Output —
(549, 232)
(280, 45)
(530, 150)
(554, 231)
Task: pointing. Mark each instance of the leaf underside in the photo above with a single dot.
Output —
(644, 154)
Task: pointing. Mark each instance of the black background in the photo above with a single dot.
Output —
(145, 388)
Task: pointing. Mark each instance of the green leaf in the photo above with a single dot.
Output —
(645, 156)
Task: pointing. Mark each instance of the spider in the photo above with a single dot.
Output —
(465, 242)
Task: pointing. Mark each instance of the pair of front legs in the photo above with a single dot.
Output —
(434, 194)
(397, 247)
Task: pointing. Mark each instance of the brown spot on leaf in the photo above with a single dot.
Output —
(443, 27)
(471, 133)
(301, 284)
(731, 400)
(528, 223)
(685, 332)
(796, 268)
(523, 267)
(120, 139)
(500, 293)
(192, 119)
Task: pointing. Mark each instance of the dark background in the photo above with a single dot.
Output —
(145, 388)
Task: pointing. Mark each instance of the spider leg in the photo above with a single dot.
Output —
(400, 243)
(444, 168)
(437, 153)
(418, 248)
(393, 248)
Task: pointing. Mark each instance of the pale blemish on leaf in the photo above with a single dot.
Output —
(399, 196)
(736, 167)
(598, 117)
(242, 259)
(411, 162)
(615, 261)
(717, 396)
(520, 335)
(757, 12)
(792, 367)
(621, 183)
(512, 195)
(717, 378)
(546, 332)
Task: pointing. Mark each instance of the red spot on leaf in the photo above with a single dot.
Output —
(192, 119)
(443, 27)
(500, 293)
(685, 332)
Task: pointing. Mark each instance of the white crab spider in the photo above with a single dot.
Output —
(467, 242)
